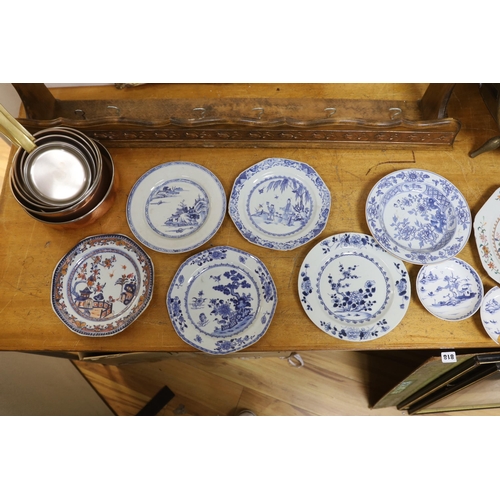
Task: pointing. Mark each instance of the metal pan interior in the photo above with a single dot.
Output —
(80, 136)
(57, 173)
(102, 202)
(73, 134)
(83, 147)
(86, 149)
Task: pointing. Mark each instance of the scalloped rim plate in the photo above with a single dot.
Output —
(102, 285)
(279, 203)
(352, 289)
(221, 300)
(418, 216)
(170, 176)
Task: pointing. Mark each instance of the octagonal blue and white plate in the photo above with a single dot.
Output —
(279, 204)
(221, 300)
(352, 289)
(418, 216)
(176, 207)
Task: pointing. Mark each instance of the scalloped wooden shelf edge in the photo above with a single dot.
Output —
(249, 123)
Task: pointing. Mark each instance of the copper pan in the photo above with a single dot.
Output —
(69, 209)
(56, 173)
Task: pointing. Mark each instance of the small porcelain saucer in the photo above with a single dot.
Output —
(490, 313)
(450, 290)
(176, 207)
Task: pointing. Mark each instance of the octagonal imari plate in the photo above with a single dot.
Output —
(102, 285)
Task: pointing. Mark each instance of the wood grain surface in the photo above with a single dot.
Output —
(29, 250)
(330, 383)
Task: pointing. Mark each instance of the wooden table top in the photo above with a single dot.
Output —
(29, 250)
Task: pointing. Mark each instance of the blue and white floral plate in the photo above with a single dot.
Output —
(490, 313)
(487, 235)
(418, 216)
(102, 285)
(221, 300)
(279, 203)
(176, 207)
(450, 290)
(353, 289)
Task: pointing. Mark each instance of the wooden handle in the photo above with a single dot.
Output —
(15, 131)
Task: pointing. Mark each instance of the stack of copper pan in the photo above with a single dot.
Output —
(59, 175)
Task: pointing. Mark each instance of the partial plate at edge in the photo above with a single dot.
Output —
(490, 313)
(487, 235)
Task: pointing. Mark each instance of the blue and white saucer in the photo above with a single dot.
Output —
(450, 290)
(102, 285)
(176, 207)
(418, 216)
(279, 203)
(221, 300)
(352, 289)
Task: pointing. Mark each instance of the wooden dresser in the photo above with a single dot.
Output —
(29, 250)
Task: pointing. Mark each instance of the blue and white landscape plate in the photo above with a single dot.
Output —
(279, 203)
(176, 207)
(418, 216)
(352, 289)
(450, 290)
(490, 313)
(221, 300)
(102, 285)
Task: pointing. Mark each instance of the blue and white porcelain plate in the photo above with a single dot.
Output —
(353, 289)
(490, 313)
(221, 300)
(418, 216)
(450, 290)
(176, 207)
(279, 203)
(102, 285)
